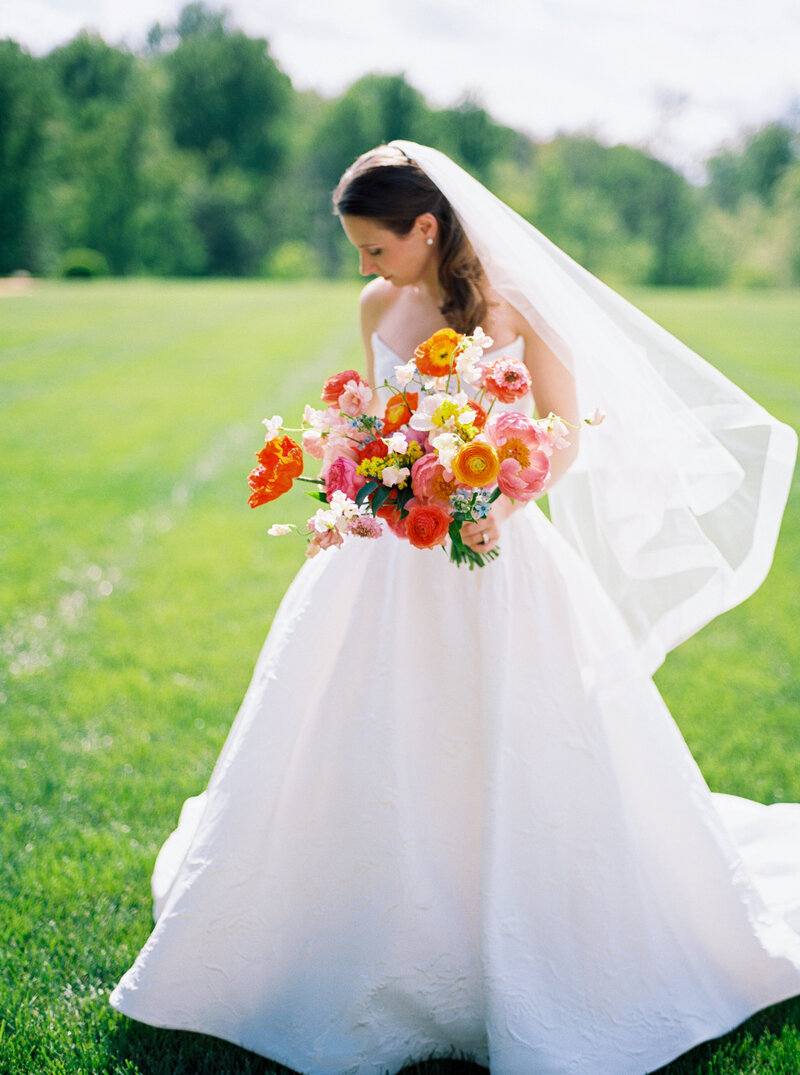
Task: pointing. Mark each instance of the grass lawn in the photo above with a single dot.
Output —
(136, 588)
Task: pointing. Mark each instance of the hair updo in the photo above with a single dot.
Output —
(387, 186)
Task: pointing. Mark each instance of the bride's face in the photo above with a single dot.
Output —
(400, 259)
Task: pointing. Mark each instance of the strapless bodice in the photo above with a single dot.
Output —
(386, 360)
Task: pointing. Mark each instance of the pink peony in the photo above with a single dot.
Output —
(524, 484)
(428, 479)
(507, 378)
(342, 475)
(513, 426)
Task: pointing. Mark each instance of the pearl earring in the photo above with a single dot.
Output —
(429, 242)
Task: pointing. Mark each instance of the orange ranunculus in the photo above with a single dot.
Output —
(435, 357)
(280, 462)
(427, 524)
(399, 409)
(476, 464)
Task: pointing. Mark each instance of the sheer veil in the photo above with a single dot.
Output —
(676, 500)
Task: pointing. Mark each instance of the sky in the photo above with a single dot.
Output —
(681, 78)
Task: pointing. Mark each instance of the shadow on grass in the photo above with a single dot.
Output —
(137, 1049)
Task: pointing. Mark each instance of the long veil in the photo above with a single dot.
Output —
(676, 500)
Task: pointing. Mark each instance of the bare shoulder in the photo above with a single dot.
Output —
(376, 298)
(503, 318)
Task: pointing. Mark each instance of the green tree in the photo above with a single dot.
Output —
(226, 97)
(99, 148)
(25, 103)
(756, 169)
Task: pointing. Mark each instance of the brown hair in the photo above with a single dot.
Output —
(387, 186)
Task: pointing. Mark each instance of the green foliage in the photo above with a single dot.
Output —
(25, 103)
(88, 72)
(197, 157)
(756, 169)
(83, 263)
(293, 260)
(137, 587)
(224, 99)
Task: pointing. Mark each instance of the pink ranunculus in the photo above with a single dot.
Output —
(334, 386)
(342, 475)
(511, 425)
(327, 539)
(355, 398)
(524, 484)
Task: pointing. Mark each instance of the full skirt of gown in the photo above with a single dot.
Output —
(454, 816)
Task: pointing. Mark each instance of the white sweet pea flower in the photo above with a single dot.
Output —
(482, 340)
(404, 375)
(343, 506)
(446, 445)
(398, 443)
(273, 426)
(279, 529)
(394, 475)
(324, 519)
(557, 431)
(595, 418)
(467, 366)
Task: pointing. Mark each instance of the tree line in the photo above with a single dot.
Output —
(196, 156)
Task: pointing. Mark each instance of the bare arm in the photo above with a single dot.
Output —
(376, 296)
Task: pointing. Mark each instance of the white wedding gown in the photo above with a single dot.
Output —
(454, 815)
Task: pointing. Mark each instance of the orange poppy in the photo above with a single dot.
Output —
(280, 461)
(434, 357)
(399, 409)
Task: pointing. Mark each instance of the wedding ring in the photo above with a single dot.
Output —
(483, 539)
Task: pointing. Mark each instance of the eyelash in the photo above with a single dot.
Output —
(375, 253)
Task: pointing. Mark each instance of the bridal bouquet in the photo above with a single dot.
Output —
(427, 460)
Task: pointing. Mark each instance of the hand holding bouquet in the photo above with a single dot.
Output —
(427, 461)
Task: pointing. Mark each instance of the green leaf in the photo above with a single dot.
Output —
(365, 491)
(380, 498)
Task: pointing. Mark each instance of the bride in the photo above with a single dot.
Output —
(453, 815)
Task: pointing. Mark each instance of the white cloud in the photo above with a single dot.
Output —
(616, 67)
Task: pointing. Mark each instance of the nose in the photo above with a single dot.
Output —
(366, 266)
